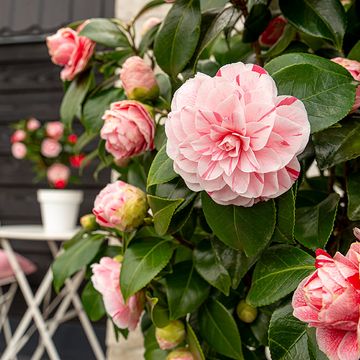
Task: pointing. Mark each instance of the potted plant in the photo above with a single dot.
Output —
(51, 149)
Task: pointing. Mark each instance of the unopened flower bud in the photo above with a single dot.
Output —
(119, 258)
(88, 222)
(180, 354)
(357, 233)
(170, 335)
(246, 312)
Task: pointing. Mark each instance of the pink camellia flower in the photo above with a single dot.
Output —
(353, 67)
(71, 51)
(18, 150)
(180, 354)
(329, 300)
(54, 129)
(138, 79)
(273, 31)
(128, 129)
(17, 136)
(234, 137)
(149, 24)
(120, 205)
(106, 280)
(33, 124)
(58, 175)
(50, 148)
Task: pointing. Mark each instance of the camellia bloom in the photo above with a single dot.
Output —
(18, 150)
(71, 51)
(120, 205)
(33, 124)
(234, 137)
(170, 335)
(128, 129)
(58, 175)
(180, 354)
(54, 129)
(50, 148)
(106, 280)
(273, 31)
(17, 136)
(353, 67)
(76, 160)
(329, 300)
(138, 79)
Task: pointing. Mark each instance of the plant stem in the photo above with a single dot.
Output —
(184, 242)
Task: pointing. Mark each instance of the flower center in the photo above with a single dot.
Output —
(230, 142)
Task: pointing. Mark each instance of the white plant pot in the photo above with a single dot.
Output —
(59, 209)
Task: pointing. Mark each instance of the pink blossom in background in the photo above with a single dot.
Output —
(17, 136)
(72, 138)
(128, 129)
(54, 129)
(50, 148)
(273, 31)
(353, 67)
(18, 150)
(33, 124)
(58, 175)
(106, 280)
(329, 300)
(71, 51)
(149, 24)
(138, 79)
(234, 137)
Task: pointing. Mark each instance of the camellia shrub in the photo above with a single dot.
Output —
(233, 128)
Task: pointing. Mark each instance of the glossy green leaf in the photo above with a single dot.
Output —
(256, 22)
(186, 290)
(212, 4)
(172, 49)
(92, 302)
(209, 265)
(143, 260)
(95, 106)
(338, 144)
(163, 210)
(161, 170)
(353, 193)
(105, 32)
(237, 226)
(354, 53)
(278, 273)
(320, 18)
(284, 41)
(159, 312)
(193, 342)
(287, 336)
(314, 224)
(325, 88)
(75, 258)
(219, 329)
(314, 351)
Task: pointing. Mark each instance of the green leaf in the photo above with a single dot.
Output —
(105, 32)
(74, 96)
(314, 351)
(354, 53)
(159, 312)
(320, 18)
(193, 342)
(338, 144)
(75, 258)
(326, 89)
(238, 226)
(163, 211)
(285, 218)
(143, 260)
(353, 193)
(278, 273)
(95, 106)
(219, 329)
(287, 336)
(161, 170)
(186, 290)
(92, 302)
(172, 49)
(256, 22)
(314, 224)
(212, 4)
(209, 265)
(284, 41)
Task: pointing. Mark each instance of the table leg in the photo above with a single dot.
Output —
(30, 300)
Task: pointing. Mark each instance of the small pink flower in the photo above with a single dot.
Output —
(50, 148)
(234, 137)
(138, 79)
(120, 205)
(58, 175)
(106, 280)
(128, 129)
(353, 67)
(18, 135)
(273, 31)
(71, 51)
(72, 138)
(149, 24)
(329, 300)
(76, 160)
(54, 129)
(33, 124)
(18, 150)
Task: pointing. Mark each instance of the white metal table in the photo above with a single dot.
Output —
(42, 322)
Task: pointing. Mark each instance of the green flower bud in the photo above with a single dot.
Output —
(88, 222)
(170, 335)
(246, 312)
(180, 354)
